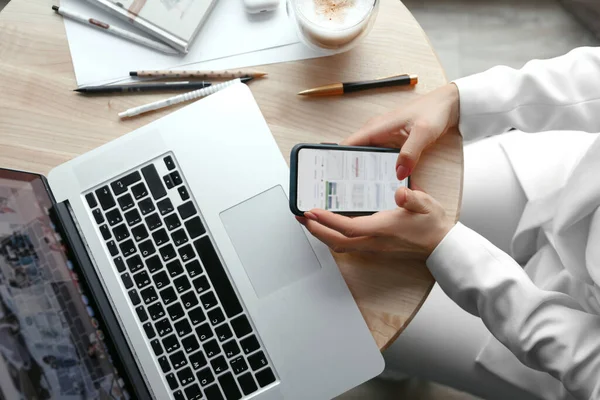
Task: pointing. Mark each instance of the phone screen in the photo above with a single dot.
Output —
(346, 181)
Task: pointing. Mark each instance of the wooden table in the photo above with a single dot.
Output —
(44, 123)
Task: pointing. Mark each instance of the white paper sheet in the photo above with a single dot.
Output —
(229, 30)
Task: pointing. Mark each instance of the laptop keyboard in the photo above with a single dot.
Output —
(184, 300)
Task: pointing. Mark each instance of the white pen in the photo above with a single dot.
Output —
(180, 98)
(122, 33)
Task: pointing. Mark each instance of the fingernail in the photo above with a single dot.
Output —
(311, 216)
(402, 172)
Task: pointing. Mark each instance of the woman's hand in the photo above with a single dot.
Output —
(413, 127)
(418, 222)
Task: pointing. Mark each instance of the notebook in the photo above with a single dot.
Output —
(176, 22)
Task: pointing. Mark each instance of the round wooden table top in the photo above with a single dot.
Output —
(43, 123)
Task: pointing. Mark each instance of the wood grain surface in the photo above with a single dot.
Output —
(44, 123)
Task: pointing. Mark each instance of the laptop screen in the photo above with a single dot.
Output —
(51, 337)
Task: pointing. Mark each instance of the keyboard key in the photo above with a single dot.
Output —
(164, 364)
(149, 295)
(112, 248)
(105, 232)
(139, 190)
(139, 233)
(176, 178)
(249, 344)
(135, 263)
(219, 364)
(141, 312)
(154, 264)
(183, 327)
(160, 237)
(247, 383)
(178, 395)
(174, 268)
(204, 332)
(91, 200)
(165, 206)
(126, 202)
(161, 279)
(146, 206)
(168, 181)
(167, 252)
(265, 377)
(170, 343)
(190, 344)
(195, 227)
(238, 365)
(196, 316)
(208, 300)
(127, 282)
(231, 349)
(211, 348)
(241, 326)
(215, 316)
(105, 198)
(205, 377)
(213, 393)
(172, 381)
(153, 221)
(229, 387)
(114, 217)
(142, 279)
(172, 222)
(168, 295)
(201, 284)
(134, 297)
(218, 277)
(185, 376)
(149, 330)
(127, 248)
(120, 185)
(154, 183)
(189, 299)
(147, 248)
(156, 311)
(193, 268)
(186, 210)
(186, 253)
(158, 350)
(175, 311)
(121, 232)
(179, 237)
(133, 217)
(98, 216)
(119, 264)
(163, 327)
(169, 163)
(182, 284)
(198, 360)
(223, 332)
(257, 361)
(193, 392)
(183, 193)
(178, 359)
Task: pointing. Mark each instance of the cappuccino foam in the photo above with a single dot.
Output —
(335, 14)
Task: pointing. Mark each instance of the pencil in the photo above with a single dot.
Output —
(349, 87)
(226, 74)
(143, 87)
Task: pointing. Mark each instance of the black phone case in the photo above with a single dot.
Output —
(325, 146)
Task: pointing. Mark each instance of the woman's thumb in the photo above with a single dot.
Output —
(417, 141)
(411, 201)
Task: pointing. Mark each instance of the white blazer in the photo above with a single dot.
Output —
(548, 314)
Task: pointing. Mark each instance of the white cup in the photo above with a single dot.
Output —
(332, 25)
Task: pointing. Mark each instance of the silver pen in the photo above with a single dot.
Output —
(113, 30)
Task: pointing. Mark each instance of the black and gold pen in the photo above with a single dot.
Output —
(349, 87)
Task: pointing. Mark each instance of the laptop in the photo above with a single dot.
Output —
(166, 264)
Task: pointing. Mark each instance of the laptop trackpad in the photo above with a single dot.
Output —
(269, 241)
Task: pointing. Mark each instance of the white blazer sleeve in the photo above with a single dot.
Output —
(562, 93)
(547, 331)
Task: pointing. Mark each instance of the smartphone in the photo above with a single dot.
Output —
(350, 180)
